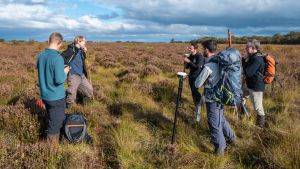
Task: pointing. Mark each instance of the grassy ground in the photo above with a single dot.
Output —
(131, 116)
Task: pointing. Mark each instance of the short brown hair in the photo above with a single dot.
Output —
(210, 45)
(55, 37)
(195, 45)
(78, 38)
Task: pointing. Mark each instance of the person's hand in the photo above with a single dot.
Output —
(84, 48)
(187, 60)
(244, 56)
(67, 69)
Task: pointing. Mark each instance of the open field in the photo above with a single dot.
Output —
(131, 116)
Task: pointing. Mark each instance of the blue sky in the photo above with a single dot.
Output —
(146, 20)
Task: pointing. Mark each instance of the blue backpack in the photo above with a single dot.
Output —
(228, 90)
(76, 128)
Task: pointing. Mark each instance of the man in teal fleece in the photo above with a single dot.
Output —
(52, 74)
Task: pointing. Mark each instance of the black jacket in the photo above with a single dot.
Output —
(70, 53)
(254, 69)
(196, 65)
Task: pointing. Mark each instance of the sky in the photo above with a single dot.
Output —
(146, 20)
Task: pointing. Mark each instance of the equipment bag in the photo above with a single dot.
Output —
(76, 128)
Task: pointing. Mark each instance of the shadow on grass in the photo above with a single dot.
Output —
(164, 91)
(155, 119)
(257, 155)
(14, 100)
(108, 148)
(158, 122)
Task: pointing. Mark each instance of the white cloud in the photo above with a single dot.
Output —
(94, 24)
(40, 17)
(26, 2)
(33, 16)
(91, 22)
(62, 21)
(211, 12)
(153, 18)
(21, 11)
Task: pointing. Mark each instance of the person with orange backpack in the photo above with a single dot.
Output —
(254, 67)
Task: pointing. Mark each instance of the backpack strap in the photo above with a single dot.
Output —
(67, 132)
(83, 133)
(73, 55)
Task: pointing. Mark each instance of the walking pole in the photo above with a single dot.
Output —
(229, 34)
(181, 76)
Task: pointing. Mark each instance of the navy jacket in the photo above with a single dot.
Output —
(69, 55)
(254, 69)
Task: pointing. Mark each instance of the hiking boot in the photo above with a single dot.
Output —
(53, 142)
(53, 139)
(261, 121)
(86, 100)
(68, 105)
(231, 143)
(219, 152)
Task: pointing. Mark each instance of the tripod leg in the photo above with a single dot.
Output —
(176, 109)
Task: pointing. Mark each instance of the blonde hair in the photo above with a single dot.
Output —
(78, 38)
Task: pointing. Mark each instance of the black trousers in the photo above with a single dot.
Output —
(195, 93)
(56, 115)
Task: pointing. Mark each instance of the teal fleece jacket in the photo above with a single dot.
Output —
(51, 75)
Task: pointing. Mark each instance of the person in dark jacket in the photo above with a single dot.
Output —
(194, 62)
(75, 57)
(254, 67)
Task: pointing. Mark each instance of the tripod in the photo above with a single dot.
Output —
(181, 76)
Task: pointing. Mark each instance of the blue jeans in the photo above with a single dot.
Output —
(56, 115)
(220, 130)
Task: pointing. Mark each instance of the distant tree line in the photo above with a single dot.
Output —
(175, 41)
(289, 38)
(30, 41)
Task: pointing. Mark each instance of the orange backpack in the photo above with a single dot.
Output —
(270, 68)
